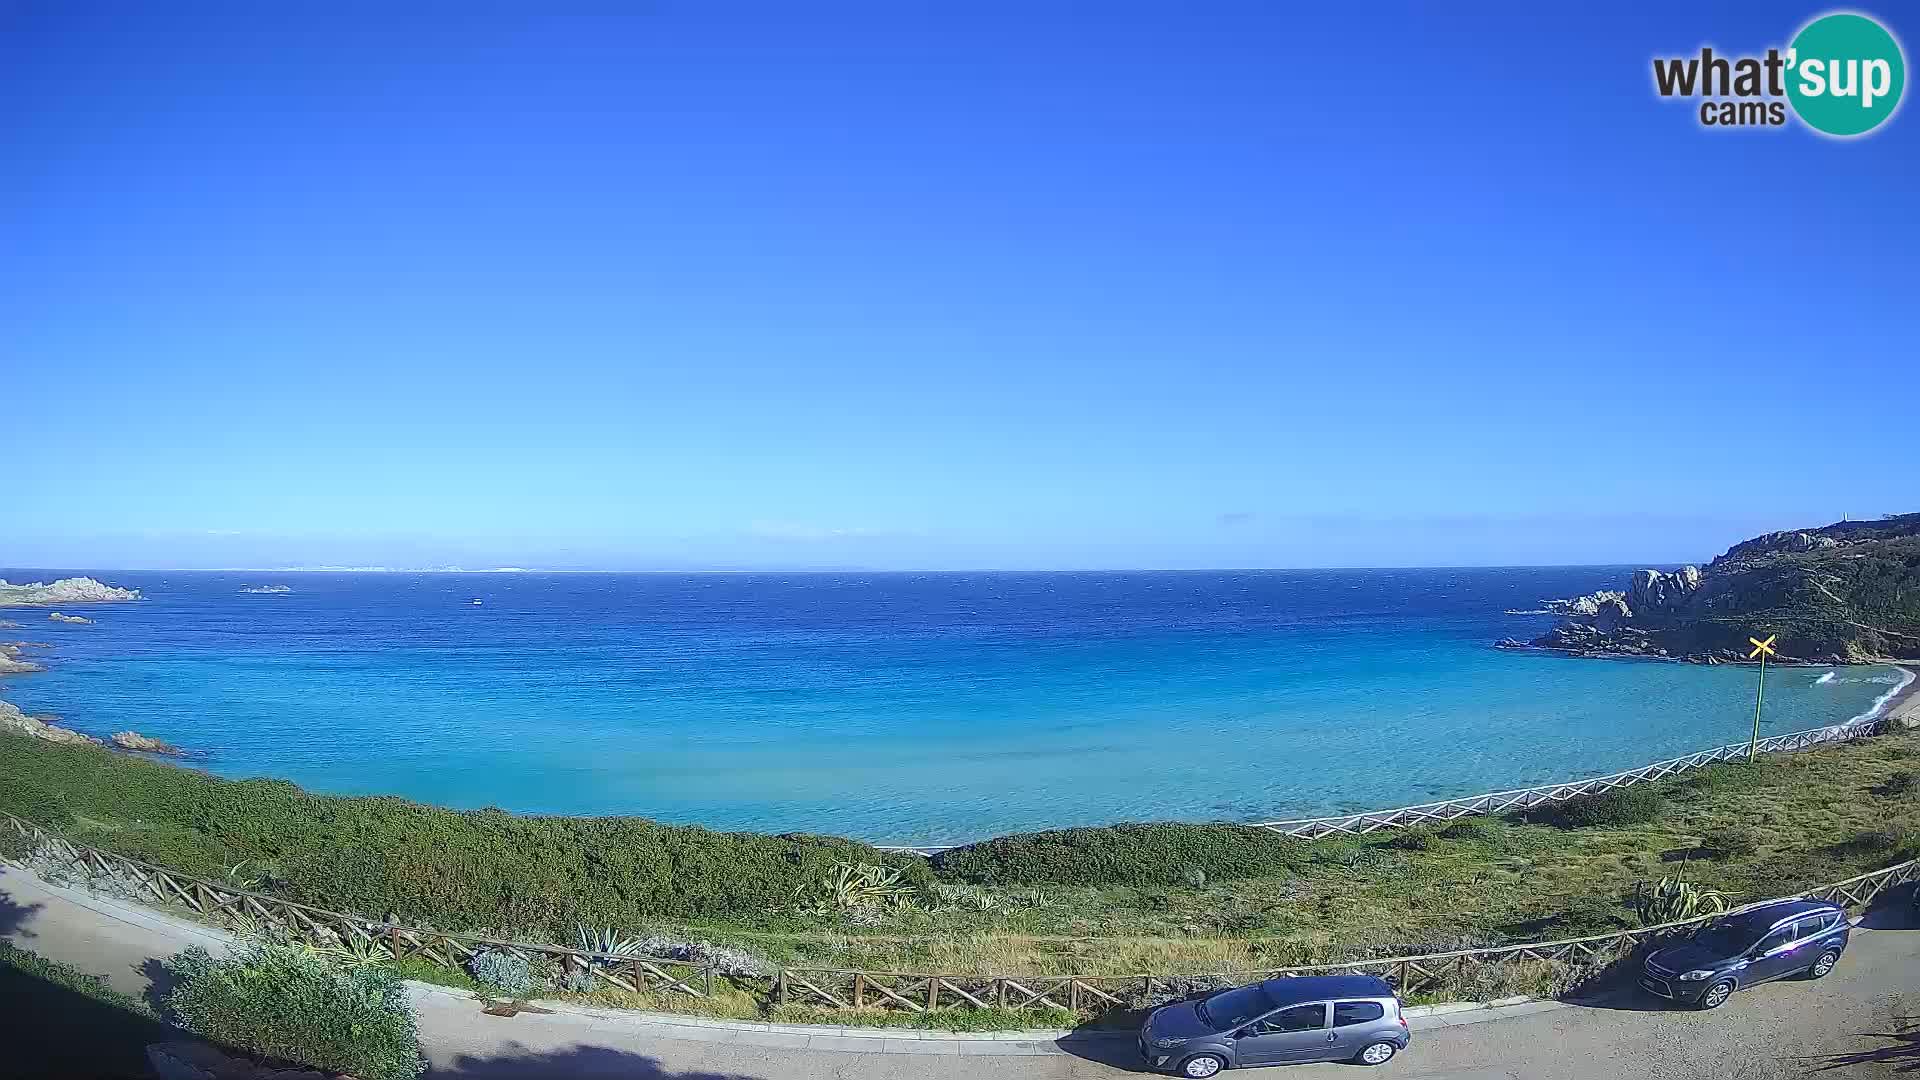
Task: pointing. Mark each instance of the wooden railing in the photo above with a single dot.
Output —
(1430, 974)
(1497, 802)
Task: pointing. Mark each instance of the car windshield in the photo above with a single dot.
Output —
(1731, 936)
(1229, 1010)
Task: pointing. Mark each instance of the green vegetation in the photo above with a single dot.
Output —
(1120, 855)
(1731, 841)
(281, 1001)
(990, 1019)
(1638, 805)
(541, 876)
(1118, 901)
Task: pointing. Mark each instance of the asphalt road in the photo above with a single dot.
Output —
(1861, 1021)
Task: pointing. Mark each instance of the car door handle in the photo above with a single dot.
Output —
(1333, 1036)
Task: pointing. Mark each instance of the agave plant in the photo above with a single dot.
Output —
(240, 877)
(355, 951)
(607, 940)
(1675, 900)
(857, 887)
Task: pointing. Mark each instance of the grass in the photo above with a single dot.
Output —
(1753, 831)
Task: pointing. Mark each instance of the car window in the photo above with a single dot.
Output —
(1774, 940)
(1356, 1012)
(1298, 1018)
(1814, 924)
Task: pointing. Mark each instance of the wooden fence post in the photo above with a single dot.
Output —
(859, 990)
(780, 987)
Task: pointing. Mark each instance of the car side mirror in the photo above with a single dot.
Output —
(1244, 1033)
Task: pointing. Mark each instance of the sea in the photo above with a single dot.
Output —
(904, 708)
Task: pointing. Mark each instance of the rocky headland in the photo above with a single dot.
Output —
(73, 590)
(1842, 594)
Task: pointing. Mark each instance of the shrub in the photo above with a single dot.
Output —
(1479, 828)
(281, 1002)
(503, 974)
(1904, 782)
(855, 887)
(1415, 839)
(1195, 877)
(1732, 841)
(1122, 855)
(537, 877)
(1622, 806)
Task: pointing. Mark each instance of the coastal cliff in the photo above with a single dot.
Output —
(1841, 594)
(73, 590)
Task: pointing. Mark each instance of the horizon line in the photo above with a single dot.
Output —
(1640, 563)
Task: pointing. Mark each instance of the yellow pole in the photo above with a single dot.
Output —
(1753, 746)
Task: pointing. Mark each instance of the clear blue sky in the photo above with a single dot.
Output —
(910, 285)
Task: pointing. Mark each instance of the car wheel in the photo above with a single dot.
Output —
(1376, 1053)
(1824, 964)
(1716, 995)
(1202, 1065)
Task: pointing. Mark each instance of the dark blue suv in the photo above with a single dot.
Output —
(1747, 948)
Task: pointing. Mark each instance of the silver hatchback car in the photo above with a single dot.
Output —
(1277, 1022)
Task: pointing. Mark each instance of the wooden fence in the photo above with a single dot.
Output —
(1497, 802)
(1432, 973)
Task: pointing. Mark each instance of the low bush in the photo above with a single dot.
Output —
(1415, 839)
(1622, 806)
(1122, 855)
(1477, 828)
(503, 974)
(280, 1001)
(1725, 778)
(1732, 841)
(1904, 782)
(537, 877)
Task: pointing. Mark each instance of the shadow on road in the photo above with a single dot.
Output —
(1902, 1052)
(1104, 1049)
(578, 1063)
(1895, 911)
(62, 1032)
(14, 917)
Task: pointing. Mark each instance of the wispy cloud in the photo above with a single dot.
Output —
(800, 532)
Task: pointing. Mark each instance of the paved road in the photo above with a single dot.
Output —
(1849, 1025)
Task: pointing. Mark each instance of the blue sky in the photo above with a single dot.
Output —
(905, 285)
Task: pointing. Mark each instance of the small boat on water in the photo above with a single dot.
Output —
(476, 601)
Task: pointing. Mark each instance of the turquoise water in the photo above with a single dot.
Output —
(909, 708)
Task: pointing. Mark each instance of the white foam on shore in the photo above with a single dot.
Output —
(1879, 703)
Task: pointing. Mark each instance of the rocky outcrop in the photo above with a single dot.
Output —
(40, 727)
(266, 590)
(81, 620)
(1845, 593)
(10, 662)
(73, 590)
(133, 740)
(7, 624)
(1773, 543)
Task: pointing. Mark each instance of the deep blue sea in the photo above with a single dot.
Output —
(909, 708)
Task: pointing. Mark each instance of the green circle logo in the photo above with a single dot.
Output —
(1845, 74)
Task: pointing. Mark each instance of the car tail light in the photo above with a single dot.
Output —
(1403, 1020)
